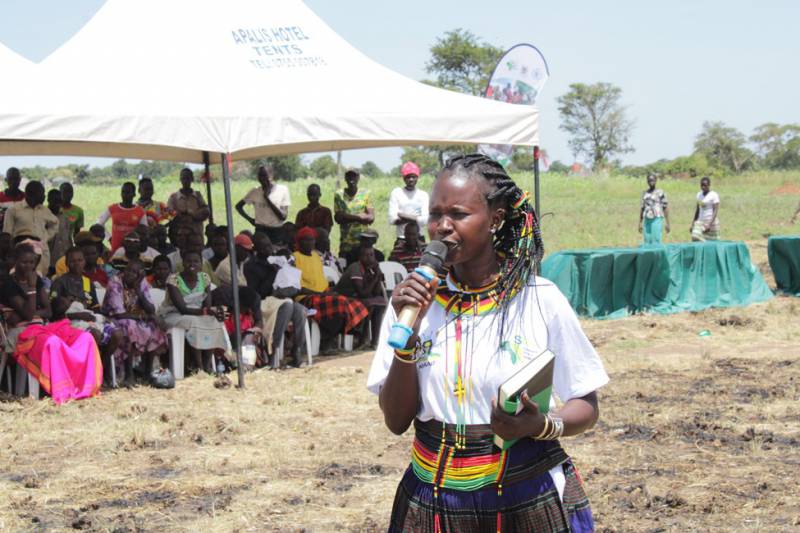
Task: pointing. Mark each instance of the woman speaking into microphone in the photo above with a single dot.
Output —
(475, 328)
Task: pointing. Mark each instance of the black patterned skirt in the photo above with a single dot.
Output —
(478, 488)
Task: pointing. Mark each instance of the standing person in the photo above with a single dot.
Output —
(408, 204)
(73, 212)
(271, 203)
(32, 219)
(62, 241)
(353, 212)
(12, 193)
(654, 212)
(408, 251)
(705, 225)
(125, 216)
(314, 215)
(156, 212)
(189, 202)
(491, 316)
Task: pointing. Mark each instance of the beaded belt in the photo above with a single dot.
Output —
(475, 462)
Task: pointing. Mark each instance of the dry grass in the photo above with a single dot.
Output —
(695, 434)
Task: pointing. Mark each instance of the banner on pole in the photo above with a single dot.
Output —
(518, 78)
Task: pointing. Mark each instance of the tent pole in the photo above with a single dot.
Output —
(208, 188)
(536, 192)
(237, 321)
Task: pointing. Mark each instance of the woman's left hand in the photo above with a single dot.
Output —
(528, 422)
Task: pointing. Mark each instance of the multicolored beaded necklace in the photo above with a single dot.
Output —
(460, 301)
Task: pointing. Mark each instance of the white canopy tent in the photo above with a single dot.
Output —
(171, 79)
(215, 80)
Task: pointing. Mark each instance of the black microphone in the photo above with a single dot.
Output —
(431, 262)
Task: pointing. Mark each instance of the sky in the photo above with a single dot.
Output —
(679, 63)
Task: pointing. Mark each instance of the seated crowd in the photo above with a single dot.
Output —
(76, 301)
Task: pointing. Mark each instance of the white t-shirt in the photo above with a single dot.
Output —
(706, 204)
(265, 216)
(539, 317)
(411, 203)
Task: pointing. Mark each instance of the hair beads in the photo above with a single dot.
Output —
(518, 240)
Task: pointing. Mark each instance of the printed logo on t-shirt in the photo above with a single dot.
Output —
(427, 357)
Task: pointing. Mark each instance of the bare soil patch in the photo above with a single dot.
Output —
(788, 188)
(696, 434)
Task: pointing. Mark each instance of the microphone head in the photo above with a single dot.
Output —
(434, 255)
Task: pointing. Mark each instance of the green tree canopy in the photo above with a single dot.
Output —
(323, 167)
(595, 120)
(284, 167)
(119, 169)
(369, 168)
(778, 145)
(724, 147)
(461, 61)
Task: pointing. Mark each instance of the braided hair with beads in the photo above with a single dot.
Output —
(518, 240)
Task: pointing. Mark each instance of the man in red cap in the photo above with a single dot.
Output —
(408, 204)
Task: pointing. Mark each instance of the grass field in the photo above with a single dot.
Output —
(577, 212)
(695, 433)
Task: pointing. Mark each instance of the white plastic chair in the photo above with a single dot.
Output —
(331, 274)
(393, 273)
(278, 350)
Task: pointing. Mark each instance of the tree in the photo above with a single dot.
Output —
(778, 145)
(724, 147)
(81, 172)
(462, 62)
(370, 169)
(595, 120)
(323, 167)
(558, 167)
(119, 169)
(284, 167)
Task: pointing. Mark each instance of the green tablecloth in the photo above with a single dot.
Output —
(784, 260)
(615, 282)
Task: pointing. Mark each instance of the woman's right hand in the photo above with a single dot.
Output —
(30, 279)
(414, 290)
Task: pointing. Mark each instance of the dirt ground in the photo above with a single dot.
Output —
(696, 434)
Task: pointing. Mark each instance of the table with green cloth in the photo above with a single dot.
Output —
(616, 282)
(784, 260)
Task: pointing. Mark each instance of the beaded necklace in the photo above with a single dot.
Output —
(459, 301)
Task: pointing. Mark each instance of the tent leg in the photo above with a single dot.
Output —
(208, 188)
(237, 322)
(536, 191)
